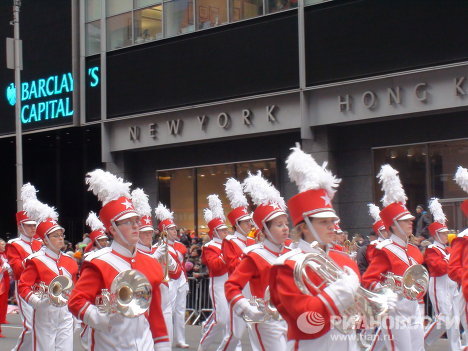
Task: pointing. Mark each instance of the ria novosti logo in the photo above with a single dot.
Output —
(310, 322)
(11, 94)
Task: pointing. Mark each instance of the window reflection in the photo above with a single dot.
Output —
(93, 33)
(93, 10)
(244, 9)
(281, 5)
(114, 7)
(211, 13)
(119, 31)
(178, 17)
(148, 24)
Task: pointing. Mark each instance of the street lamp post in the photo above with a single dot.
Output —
(19, 141)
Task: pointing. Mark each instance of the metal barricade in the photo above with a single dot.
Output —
(199, 305)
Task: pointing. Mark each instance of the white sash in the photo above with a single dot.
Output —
(115, 262)
(266, 255)
(401, 254)
(50, 263)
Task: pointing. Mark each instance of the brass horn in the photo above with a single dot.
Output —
(264, 305)
(58, 291)
(129, 295)
(413, 284)
(368, 304)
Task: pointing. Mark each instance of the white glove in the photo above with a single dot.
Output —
(37, 302)
(243, 307)
(343, 291)
(172, 264)
(162, 346)
(96, 319)
(160, 252)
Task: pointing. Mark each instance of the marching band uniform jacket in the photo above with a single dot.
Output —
(233, 249)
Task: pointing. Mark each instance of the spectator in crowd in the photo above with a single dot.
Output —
(421, 222)
(361, 256)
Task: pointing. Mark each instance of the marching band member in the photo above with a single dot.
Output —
(5, 270)
(271, 219)
(309, 316)
(99, 239)
(234, 244)
(145, 245)
(443, 291)
(340, 238)
(114, 331)
(178, 284)
(16, 251)
(403, 328)
(52, 325)
(212, 256)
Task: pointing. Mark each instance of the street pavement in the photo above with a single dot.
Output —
(13, 330)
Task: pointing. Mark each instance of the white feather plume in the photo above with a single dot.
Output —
(39, 211)
(208, 215)
(461, 178)
(374, 211)
(93, 222)
(308, 174)
(106, 186)
(436, 209)
(391, 186)
(28, 192)
(216, 206)
(141, 202)
(235, 193)
(262, 191)
(162, 212)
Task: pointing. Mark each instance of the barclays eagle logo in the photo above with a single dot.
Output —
(11, 94)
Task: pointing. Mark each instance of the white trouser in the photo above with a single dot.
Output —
(178, 294)
(461, 305)
(444, 296)
(218, 325)
(166, 309)
(124, 334)
(52, 328)
(268, 336)
(403, 328)
(25, 341)
(378, 343)
(333, 340)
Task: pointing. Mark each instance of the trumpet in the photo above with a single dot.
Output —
(163, 241)
(58, 291)
(368, 304)
(413, 284)
(129, 295)
(264, 305)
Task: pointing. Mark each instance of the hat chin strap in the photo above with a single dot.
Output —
(312, 230)
(49, 243)
(269, 235)
(397, 225)
(23, 231)
(119, 233)
(437, 237)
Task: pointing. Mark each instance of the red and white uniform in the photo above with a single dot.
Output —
(16, 251)
(217, 326)
(52, 326)
(444, 295)
(233, 247)
(178, 288)
(297, 308)
(5, 270)
(255, 269)
(164, 286)
(144, 332)
(394, 255)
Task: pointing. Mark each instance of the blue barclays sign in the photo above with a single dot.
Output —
(48, 98)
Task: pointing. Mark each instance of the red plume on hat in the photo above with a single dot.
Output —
(43, 214)
(316, 184)
(164, 216)
(141, 203)
(394, 198)
(438, 225)
(238, 201)
(214, 214)
(97, 230)
(114, 194)
(28, 192)
(266, 197)
(378, 225)
(461, 178)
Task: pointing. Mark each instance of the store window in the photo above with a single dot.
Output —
(145, 3)
(178, 17)
(119, 31)
(426, 171)
(115, 7)
(148, 24)
(211, 13)
(185, 190)
(93, 35)
(245, 9)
